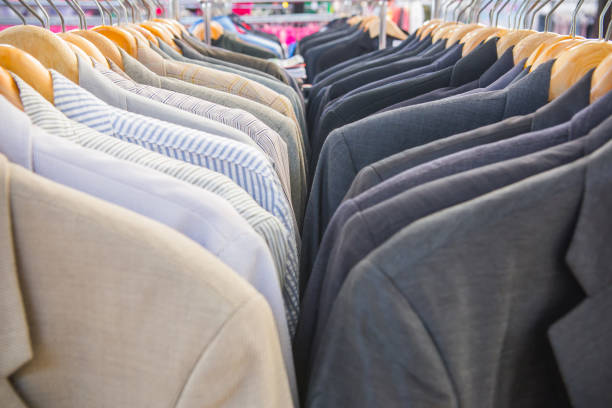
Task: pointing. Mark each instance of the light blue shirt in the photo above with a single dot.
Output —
(200, 215)
(246, 166)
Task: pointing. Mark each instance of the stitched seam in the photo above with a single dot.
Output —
(427, 330)
(205, 349)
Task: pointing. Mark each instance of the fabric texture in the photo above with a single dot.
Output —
(440, 184)
(199, 214)
(268, 140)
(353, 147)
(49, 118)
(458, 329)
(215, 79)
(276, 121)
(556, 112)
(117, 275)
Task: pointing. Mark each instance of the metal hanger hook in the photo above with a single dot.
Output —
(59, 14)
(574, 17)
(32, 11)
(14, 9)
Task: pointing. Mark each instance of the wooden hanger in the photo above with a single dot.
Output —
(8, 89)
(145, 33)
(443, 31)
(574, 63)
(553, 51)
(542, 47)
(354, 20)
(476, 37)
(511, 38)
(215, 33)
(391, 29)
(27, 68)
(86, 46)
(216, 30)
(429, 29)
(524, 48)
(426, 27)
(106, 46)
(176, 32)
(160, 32)
(122, 38)
(46, 47)
(601, 82)
(442, 28)
(457, 34)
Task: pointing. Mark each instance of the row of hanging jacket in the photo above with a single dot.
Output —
(153, 194)
(455, 248)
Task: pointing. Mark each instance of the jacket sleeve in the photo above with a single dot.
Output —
(242, 366)
(376, 351)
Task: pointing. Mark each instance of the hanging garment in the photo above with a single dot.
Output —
(272, 84)
(286, 160)
(380, 213)
(487, 303)
(218, 80)
(354, 142)
(45, 115)
(232, 42)
(557, 111)
(90, 80)
(117, 275)
(221, 54)
(277, 122)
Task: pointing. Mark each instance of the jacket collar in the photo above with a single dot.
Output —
(581, 339)
(565, 106)
(473, 65)
(14, 333)
(97, 84)
(530, 91)
(504, 64)
(595, 113)
(137, 71)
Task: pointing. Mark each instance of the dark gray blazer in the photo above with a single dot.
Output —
(493, 75)
(554, 113)
(316, 92)
(461, 307)
(358, 106)
(352, 147)
(381, 212)
(358, 79)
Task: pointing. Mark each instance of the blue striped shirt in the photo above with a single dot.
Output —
(244, 165)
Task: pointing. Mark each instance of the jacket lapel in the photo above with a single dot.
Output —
(15, 346)
(582, 340)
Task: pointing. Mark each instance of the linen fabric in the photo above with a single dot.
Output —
(215, 79)
(283, 246)
(115, 274)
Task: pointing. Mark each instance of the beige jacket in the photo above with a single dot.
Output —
(101, 307)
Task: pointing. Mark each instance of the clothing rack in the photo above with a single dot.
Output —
(206, 7)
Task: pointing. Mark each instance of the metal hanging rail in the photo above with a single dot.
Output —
(206, 7)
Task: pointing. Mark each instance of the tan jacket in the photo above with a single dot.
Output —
(101, 307)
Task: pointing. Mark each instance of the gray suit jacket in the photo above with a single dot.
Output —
(454, 310)
(558, 111)
(383, 211)
(354, 146)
